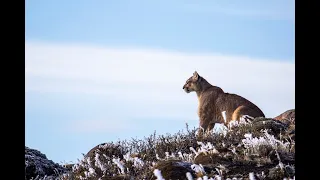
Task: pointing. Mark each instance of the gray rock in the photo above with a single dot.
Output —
(38, 166)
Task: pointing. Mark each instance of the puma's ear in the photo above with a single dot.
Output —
(195, 75)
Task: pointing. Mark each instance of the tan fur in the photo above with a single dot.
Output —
(213, 101)
(244, 110)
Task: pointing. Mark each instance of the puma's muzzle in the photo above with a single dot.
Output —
(186, 89)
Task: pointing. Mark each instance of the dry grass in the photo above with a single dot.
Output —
(263, 148)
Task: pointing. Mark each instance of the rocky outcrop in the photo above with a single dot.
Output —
(289, 118)
(37, 165)
(288, 115)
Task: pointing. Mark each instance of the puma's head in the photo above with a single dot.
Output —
(193, 83)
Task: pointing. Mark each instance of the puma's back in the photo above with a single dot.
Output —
(213, 101)
(230, 102)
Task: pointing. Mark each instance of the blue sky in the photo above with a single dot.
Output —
(99, 71)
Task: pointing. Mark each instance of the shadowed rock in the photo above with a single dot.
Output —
(268, 123)
(285, 157)
(174, 169)
(37, 164)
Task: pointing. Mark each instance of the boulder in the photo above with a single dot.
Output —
(173, 169)
(37, 165)
(288, 115)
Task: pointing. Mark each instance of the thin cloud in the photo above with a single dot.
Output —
(153, 79)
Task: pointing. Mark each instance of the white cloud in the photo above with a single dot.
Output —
(151, 80)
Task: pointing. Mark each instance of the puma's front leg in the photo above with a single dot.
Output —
(205, 126)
